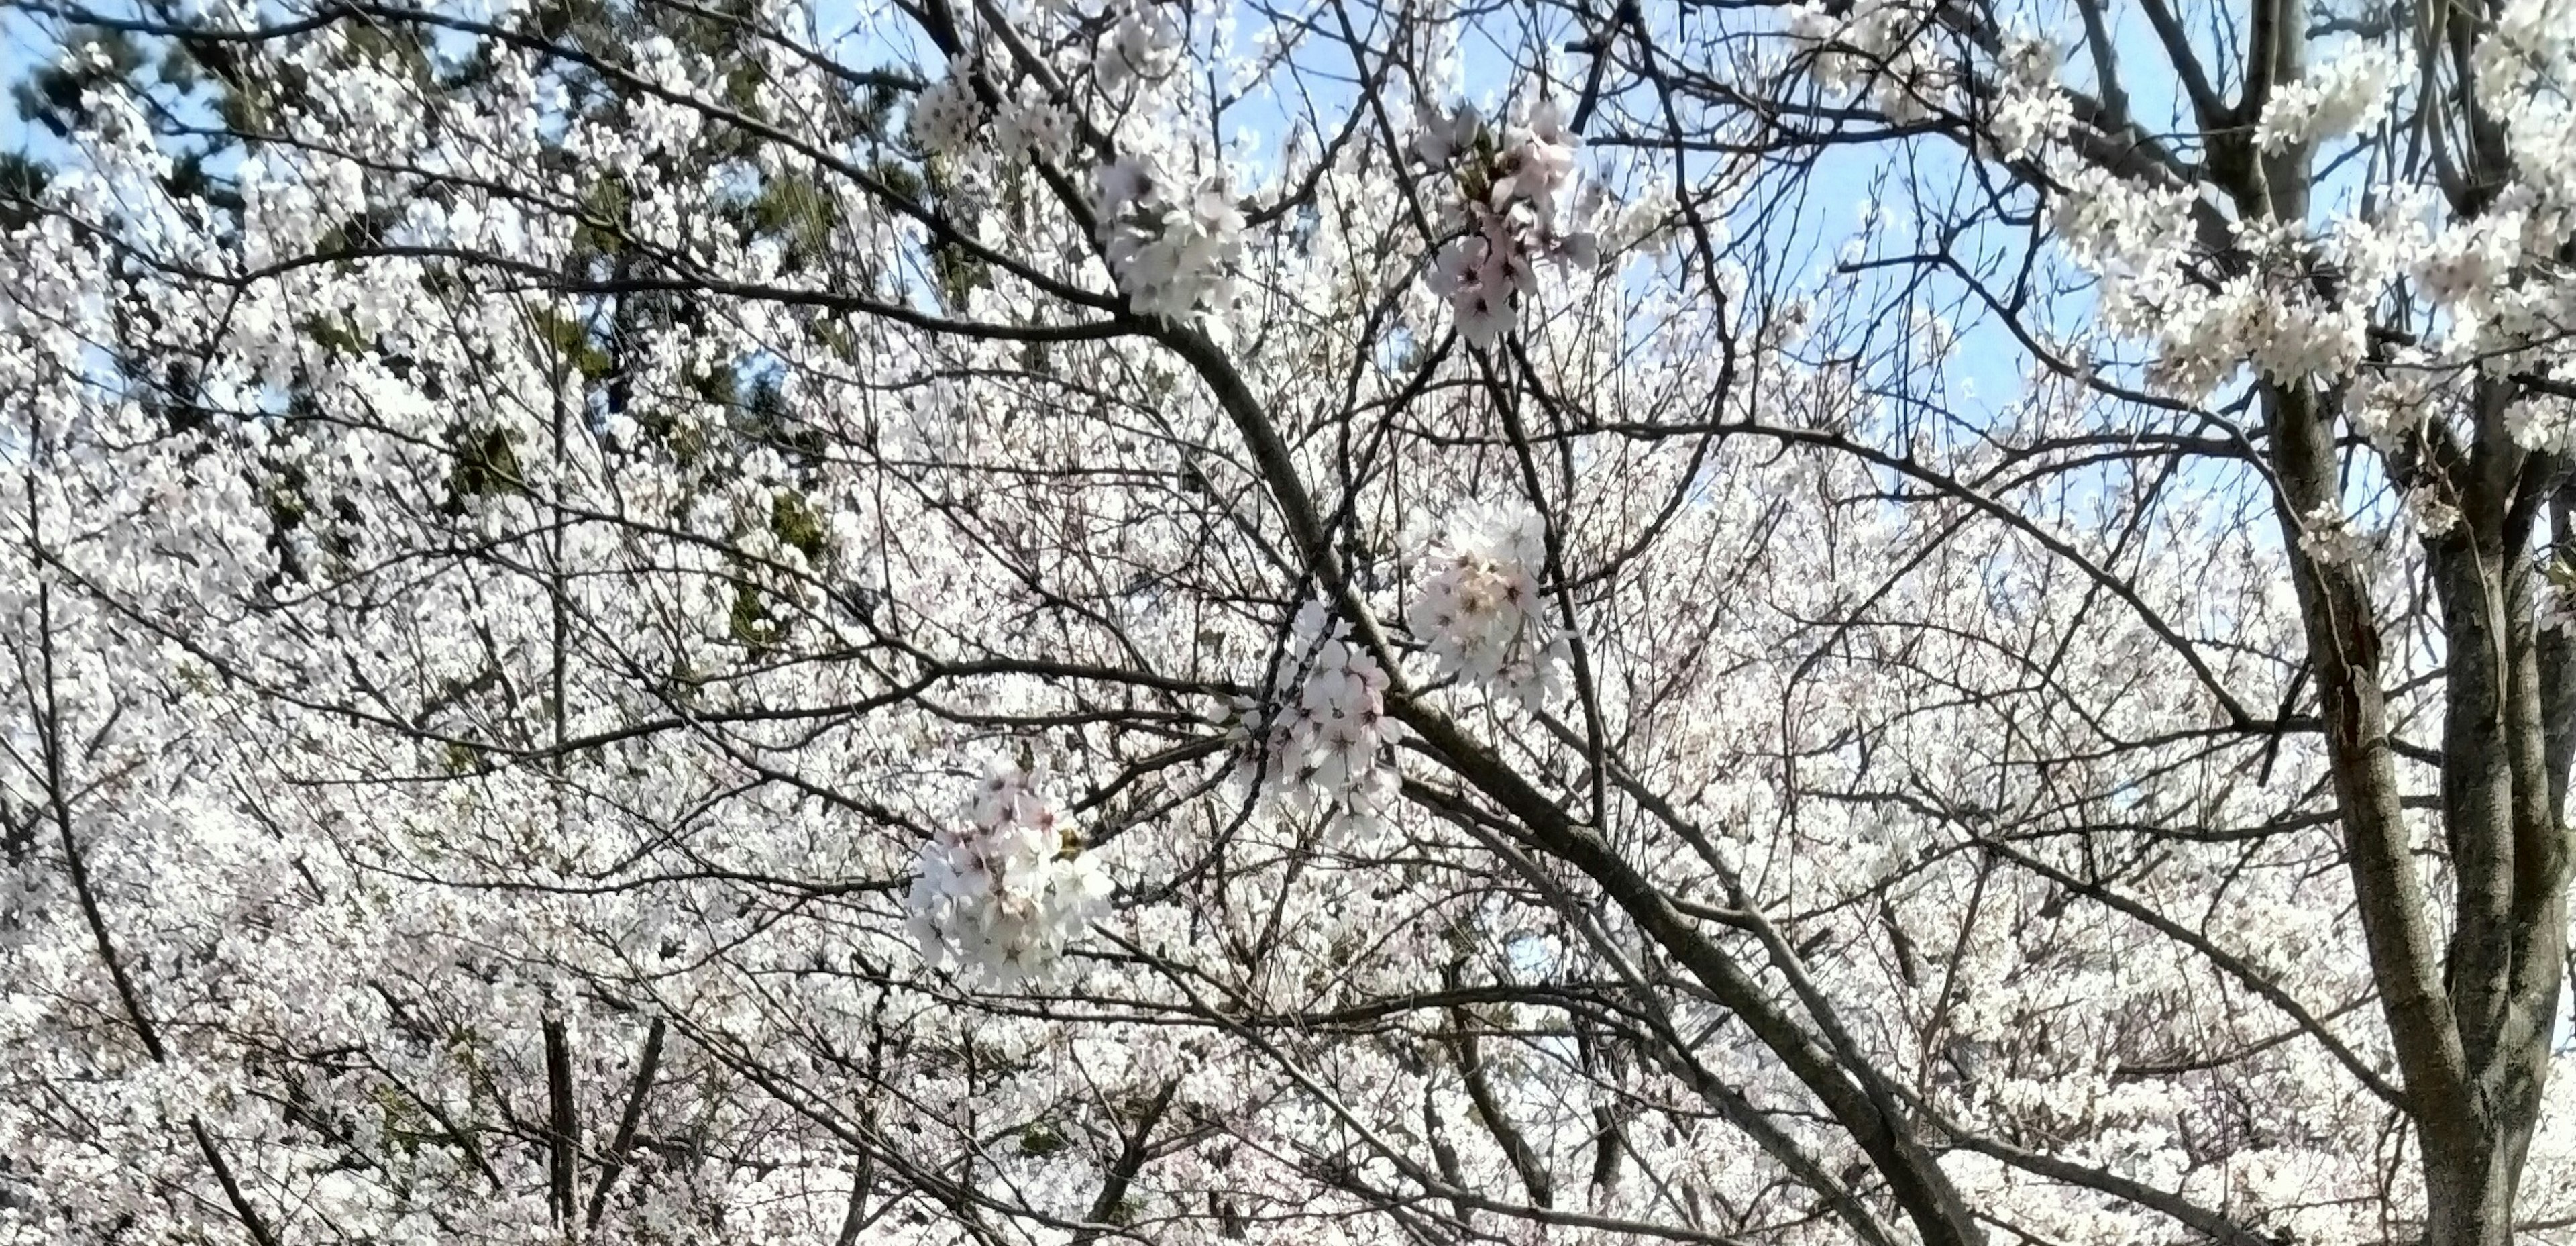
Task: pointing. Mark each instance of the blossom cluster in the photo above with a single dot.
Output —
(2556, 607)
(2348, 93)
(1173, 243)
(1328, 743)
(298, 547)
(2462, 267)
(948, 119)
(1002, 896)
(946, 115)
(1479, 610)
(2030, 108)
(2273, 315)
(2286, 332)
(2329, 536)
(2298, 299)
(1509, 214)
(1143, 46)
(1885, 45)
(1033, 125)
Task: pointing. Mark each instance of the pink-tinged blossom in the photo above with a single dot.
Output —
(1323, 740)
(1489, 272)
(1441, 135)
(1479, 608)
(1001, 895)
(1481, 275)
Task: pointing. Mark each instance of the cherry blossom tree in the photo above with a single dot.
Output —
(664, 621)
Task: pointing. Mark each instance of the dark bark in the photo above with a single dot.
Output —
(560, 1122)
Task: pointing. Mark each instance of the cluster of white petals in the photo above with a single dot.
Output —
(1174, 243)
(2542, 423)
(2271, 316)
(2522, 63)
(1003, 895)
(1887, 46)
(1490, 268)
(1328, 743)
(2556, 608)
(2332, 538)
(1033, 126)
(2030, 107)
(2433, 514)
(2390, 403)
(1480, 610)
(2348, 93)
(494, 545)
(947, 115)
(2288, 336)
(2217, 296)
(2108, 223)
(2463, 265)
(1144, 45)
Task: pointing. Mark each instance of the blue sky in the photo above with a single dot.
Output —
(21, 48)
(1842, 186)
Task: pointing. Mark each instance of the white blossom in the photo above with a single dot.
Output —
(946, 116)
(1003, 894)
(1327, 742)
(2031, 109)
(2350, 92)
(1479, 608)
(2469, 260)
(1174, 246)
(2331, 537)
(1143, 45)
(1033, 126)
(1888, 45)
(1489, 271)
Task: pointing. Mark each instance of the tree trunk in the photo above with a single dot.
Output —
(2470, 1016)
(2468, 1194)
